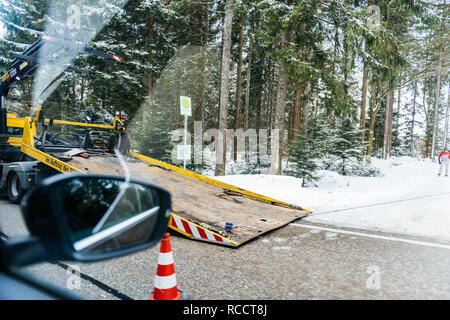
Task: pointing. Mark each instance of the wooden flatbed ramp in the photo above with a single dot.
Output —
(201, 205)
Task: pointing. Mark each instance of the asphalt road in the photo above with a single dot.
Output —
(300, 261)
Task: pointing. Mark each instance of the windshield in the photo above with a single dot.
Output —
(296, 130)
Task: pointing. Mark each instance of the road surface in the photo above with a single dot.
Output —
(300, 261)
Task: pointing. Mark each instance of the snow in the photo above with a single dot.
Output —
(5, 60)
(27, 30)
(22, 46)
(2, 30)
(423, 209)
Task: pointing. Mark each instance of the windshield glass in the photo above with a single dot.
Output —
(260, 117)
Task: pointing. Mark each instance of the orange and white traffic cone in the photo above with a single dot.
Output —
(165, 281)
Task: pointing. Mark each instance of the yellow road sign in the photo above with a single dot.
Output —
(185, 106)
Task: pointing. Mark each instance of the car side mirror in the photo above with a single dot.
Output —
(90, 218)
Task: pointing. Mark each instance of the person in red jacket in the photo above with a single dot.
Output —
(444, 160)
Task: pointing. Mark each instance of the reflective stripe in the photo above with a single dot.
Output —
(219, 239)
(165, 282)
(186, 226)
(195, 232)
(178, 223)
(202, 233)
(192, 230)
(165, 258)
(210, 236)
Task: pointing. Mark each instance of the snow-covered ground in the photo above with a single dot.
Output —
(403, 178)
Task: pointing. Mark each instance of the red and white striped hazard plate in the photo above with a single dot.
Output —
(197, 232)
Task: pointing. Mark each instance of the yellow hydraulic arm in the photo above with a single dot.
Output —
(30, 123)
(117, 124)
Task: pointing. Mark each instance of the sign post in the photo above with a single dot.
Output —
(186, 111)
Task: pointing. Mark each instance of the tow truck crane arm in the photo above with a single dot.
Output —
(29, 61)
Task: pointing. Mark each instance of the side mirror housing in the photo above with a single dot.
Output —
(90, 218)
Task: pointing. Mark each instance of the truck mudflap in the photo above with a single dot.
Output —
(203, 208)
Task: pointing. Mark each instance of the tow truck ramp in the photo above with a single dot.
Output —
(201, 205)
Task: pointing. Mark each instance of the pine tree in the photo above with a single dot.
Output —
(303, 160)
(309, 150)
(155, 139)
(345, 144)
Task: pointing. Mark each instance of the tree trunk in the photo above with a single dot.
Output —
(306, 106)
(386, 126)
(413, 118)
(224, 90)
(447, 113)
(436, 106)
(220, 71)
(148, 81)
(370, 135)
(390, 125)
(276, 155)
(290, 123)
(249, 72)
(362, 118)
(374, 108)
(297, 112)
(200, 108)
(387, 138)
(271, 79)
(237, 116)
(427, 119)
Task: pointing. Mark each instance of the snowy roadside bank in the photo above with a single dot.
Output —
(403, 178)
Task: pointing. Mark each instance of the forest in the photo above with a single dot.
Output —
(330, 83)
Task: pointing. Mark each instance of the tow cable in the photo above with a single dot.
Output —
(378, 204)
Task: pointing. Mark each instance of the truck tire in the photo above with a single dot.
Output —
(15, 190)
